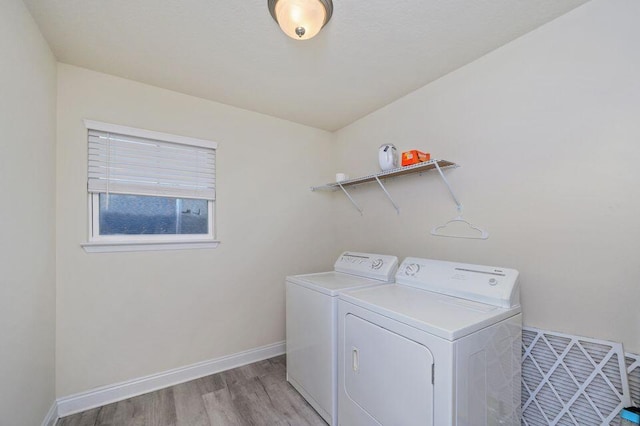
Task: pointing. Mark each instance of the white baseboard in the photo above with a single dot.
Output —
(52, 416)
(120, 391)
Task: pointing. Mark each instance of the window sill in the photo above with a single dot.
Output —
(107, 247)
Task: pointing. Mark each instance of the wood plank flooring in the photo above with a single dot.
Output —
(255, 394)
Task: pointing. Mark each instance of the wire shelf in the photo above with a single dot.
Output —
(415, 168)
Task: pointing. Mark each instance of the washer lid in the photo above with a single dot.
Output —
(331, 283)
(439, 314)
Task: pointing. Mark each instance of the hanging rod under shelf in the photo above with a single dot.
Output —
(415, 168)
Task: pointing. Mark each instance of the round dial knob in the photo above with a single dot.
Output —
(493, 281)
(377, 264)
(412, 269)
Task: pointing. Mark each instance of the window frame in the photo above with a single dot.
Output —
(145, 242)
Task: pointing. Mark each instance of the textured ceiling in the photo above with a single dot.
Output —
(231, 51)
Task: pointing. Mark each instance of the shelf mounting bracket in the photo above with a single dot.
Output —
(395, 206)
(446, 182)
(350, 198)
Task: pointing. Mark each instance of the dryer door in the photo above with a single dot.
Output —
(387, 375)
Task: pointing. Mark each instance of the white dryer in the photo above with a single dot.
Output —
(440, 347)
(312, 324)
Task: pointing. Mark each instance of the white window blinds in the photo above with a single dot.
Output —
(134, 165)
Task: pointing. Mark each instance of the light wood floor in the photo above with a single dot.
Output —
(256, 394)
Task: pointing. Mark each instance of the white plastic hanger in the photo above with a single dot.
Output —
(442, 231)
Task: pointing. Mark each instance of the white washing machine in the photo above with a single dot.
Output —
(312, 324)
(440, 347)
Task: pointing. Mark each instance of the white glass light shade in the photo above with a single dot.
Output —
(300, 19)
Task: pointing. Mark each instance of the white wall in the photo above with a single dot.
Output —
(126, 315)
(27, 222)
(547, 131)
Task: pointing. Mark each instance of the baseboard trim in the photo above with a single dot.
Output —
(52, 416)
(117, 392)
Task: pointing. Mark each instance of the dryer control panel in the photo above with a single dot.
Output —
(377, 266)
(486, 284)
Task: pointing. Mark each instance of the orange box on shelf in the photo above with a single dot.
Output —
(414, 156)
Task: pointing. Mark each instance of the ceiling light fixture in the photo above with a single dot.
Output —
(301, 19)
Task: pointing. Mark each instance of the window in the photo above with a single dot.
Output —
(149, 190)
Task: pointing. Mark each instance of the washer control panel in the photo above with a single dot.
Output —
(377, 266)
(485, 284)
